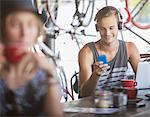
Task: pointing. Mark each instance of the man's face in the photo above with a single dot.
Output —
(21, 27)
(108, 28)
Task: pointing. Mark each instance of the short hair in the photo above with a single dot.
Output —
(105, 12)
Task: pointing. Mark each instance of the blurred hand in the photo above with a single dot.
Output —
(19, 74)
(46, 64)
(99, 68)
(33, 61)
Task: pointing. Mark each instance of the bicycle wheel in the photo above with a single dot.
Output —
(83, 14)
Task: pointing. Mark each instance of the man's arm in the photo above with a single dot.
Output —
(87, 82)
(87, 78)
(133, 55)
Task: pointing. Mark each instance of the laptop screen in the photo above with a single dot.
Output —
(143, 75)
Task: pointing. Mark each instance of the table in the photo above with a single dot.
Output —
(126, 111)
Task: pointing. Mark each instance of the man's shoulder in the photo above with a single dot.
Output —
(86, 49)
(131, 48)
(130, 45)
(87, 46)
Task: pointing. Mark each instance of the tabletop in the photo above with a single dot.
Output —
(137, 110)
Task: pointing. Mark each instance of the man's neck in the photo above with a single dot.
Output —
(108, 47)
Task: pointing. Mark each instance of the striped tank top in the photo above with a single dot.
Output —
(118, 67)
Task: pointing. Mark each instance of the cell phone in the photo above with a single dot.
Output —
(102, 58)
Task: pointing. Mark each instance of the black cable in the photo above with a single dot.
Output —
(137, 35)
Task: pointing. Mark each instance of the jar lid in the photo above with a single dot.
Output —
(104, 93)
(118, 89)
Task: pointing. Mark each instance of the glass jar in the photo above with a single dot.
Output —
(119, 97)
(104, 99)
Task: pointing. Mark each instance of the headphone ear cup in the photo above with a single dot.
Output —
(119, 25)
(96, 27)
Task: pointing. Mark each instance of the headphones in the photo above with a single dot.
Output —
(103, 11)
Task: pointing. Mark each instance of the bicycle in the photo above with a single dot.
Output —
(48, 47)
(139, 6)
(130, 18)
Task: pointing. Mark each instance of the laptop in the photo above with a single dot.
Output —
(143, 75)
(143, 79)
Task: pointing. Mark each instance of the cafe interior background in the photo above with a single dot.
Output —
(71, 29)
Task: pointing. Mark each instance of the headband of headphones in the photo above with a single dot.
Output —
(106, 11)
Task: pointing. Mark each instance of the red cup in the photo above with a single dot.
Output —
(131, 93)
(129, 83)
(13, 52)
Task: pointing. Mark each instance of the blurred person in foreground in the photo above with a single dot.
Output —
(2, 58)
(94, 75)
(28, 81)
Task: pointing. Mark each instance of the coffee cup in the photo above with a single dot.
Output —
(131, 93)
(129, 83)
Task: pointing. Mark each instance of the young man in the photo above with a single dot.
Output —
(28, 84)
(95, 75)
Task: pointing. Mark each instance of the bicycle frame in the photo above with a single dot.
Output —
(131, 19)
